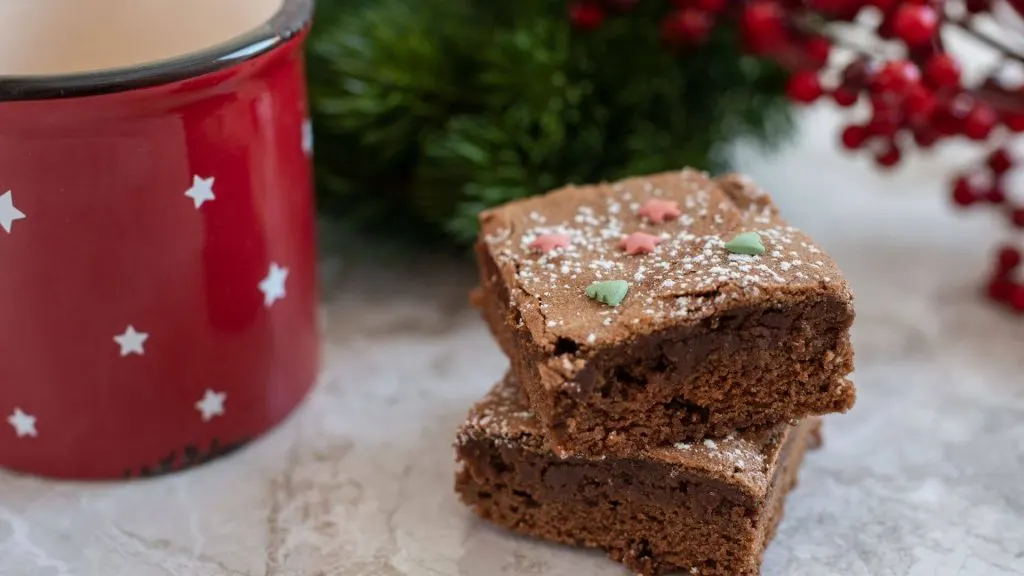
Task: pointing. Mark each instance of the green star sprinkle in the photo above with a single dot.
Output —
(610, 292)
(745, 243)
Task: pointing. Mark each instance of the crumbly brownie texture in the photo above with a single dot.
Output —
(704, 343)
(706, 508)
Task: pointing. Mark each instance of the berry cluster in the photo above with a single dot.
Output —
(916, 96)
(987, 184)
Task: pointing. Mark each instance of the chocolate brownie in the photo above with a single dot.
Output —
(731, 320)
(706, 508)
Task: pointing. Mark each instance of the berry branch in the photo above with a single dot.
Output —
(909, 80)
(968, 26)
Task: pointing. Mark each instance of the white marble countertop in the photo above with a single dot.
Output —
(925, 477)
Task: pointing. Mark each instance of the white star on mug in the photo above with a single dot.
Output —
(132, 341)
(201, 191)
(8, 213)
(211, 405)
(23, 424)
(273, 286)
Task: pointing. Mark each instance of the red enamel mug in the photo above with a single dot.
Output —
(158, 300)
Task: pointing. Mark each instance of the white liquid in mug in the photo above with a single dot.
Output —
(51, 37)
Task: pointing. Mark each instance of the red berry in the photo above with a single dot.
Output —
(1009, 258)
(1000, 289)
(844, 97)
(846, 13)
(963, 193)
(853, 136)
(1000, 161)
(915, 24)
(884, 122)
(945, 122)
(942, 71)
(1017, 216)
(976, 6)
(925, 137)
(713, 6)
(889, 157)
(686, 26)
(919, 105)
(764, 26)
(995, 195)
(883, 5)
(979, 122)
(586, 15)
(1014, 121)
(961, 105)
(896, 77)
(817, 49)
(1017, 298)
(804, 86)
(855, 74)
(885, 30)
(883, 101)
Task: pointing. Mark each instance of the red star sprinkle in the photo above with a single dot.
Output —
(639, 243)
(547, 242)
(658, 211)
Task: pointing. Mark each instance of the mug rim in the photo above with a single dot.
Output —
(290, 20)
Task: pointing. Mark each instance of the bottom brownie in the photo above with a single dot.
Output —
(707, 508)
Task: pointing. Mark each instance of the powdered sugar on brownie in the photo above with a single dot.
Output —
(500, 414)
(746, 458)
(689, 274)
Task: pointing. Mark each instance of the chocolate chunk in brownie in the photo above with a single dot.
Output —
(708, 508)
(731, 320)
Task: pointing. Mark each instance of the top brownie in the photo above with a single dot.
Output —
(732, 319)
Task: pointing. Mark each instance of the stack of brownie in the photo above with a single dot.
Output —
(672, 342)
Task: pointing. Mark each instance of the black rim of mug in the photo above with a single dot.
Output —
(289, 21)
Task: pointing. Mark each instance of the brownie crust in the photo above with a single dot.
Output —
(708, 508)
(706, 342)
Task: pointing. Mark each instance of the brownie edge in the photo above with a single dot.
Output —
(708, 508)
